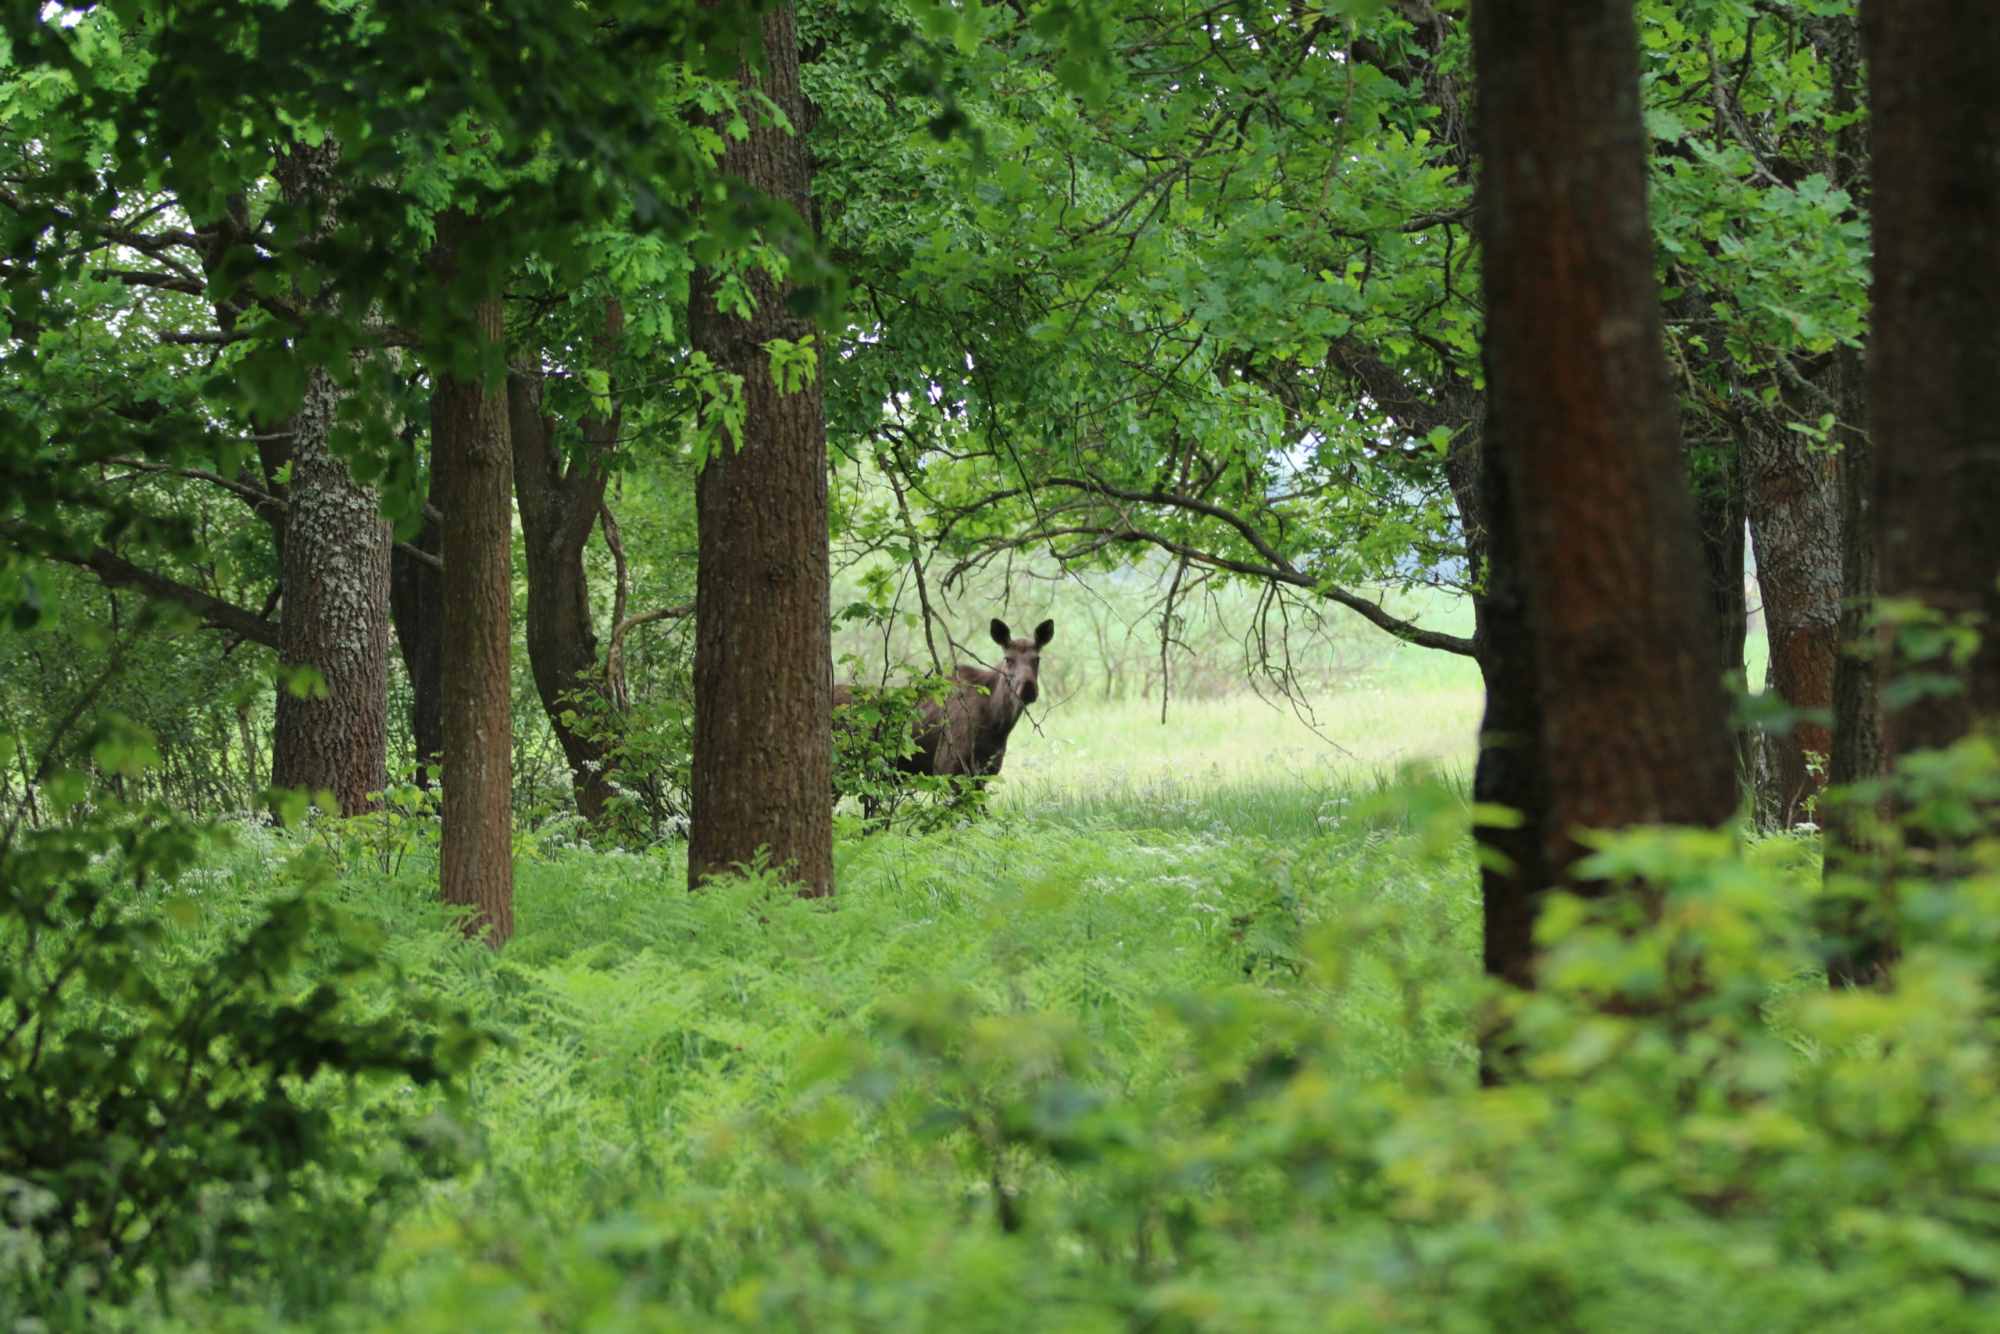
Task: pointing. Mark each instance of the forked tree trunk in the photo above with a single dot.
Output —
(559, 501)
(1608, 680)
(474, 467)
(763, 666)
(335, 562)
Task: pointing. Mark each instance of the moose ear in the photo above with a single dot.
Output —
(1001, 634)
(1044, 633)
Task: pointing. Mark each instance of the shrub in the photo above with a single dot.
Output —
(178, 1070)
(876, 731)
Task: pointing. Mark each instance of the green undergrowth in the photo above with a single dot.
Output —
(745, 1082)
(1124, 1065)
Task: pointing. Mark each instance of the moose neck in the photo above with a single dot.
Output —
(1002, 706)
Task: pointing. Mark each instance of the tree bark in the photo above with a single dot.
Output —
(559, 502)
(1857, 728)
(763, 668)
(334, 619)
(416, 608)
(1858, 941)
(1934, 403)
(1612, 664)
(1933, 391)
(1795, 513)
(1511, 772)
(1715, 467)
(335, 562)
(473, 463)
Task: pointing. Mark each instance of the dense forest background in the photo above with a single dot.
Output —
(455, 457)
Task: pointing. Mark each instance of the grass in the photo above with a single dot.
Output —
(1358, 736)
(1404, 706)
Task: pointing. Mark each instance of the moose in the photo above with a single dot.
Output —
(966, 734)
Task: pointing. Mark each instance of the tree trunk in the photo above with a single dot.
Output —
(335, 619)
(763, 667)
(473, 464)
(1794, 506)
(559, 503)
(1716, 469)
(1933, 391)
(416, 606)
(1857, 730)
(1858, 941)
(1605, 647)
(1934, 399)
(1511, 772)
(335, 562)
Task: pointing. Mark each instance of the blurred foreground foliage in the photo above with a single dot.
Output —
(1213, 1070)
(193, 1080)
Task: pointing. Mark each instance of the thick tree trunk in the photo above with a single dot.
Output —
(416, 607)
(1794, 506)
(1933, 391)
(335, 619)
(763, 668)
(473, 462)
(1612, 649)
(559, 502)
(1934, 399)
(335, 562)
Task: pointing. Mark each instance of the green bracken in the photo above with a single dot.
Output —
(1159, 1061)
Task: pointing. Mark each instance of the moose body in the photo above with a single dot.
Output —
(967, 733)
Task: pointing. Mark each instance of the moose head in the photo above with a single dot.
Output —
(1021, 666)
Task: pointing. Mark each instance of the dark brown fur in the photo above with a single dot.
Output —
(967, 733)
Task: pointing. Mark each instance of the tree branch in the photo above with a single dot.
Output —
(259, 500)
(614, 653)
(114, 571)
(1371, 611)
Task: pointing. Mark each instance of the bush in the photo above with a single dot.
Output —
(876, 731)
(178, 1070)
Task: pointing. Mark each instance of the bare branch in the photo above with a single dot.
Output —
(614, 660)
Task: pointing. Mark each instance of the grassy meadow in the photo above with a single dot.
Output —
(1079, 749)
